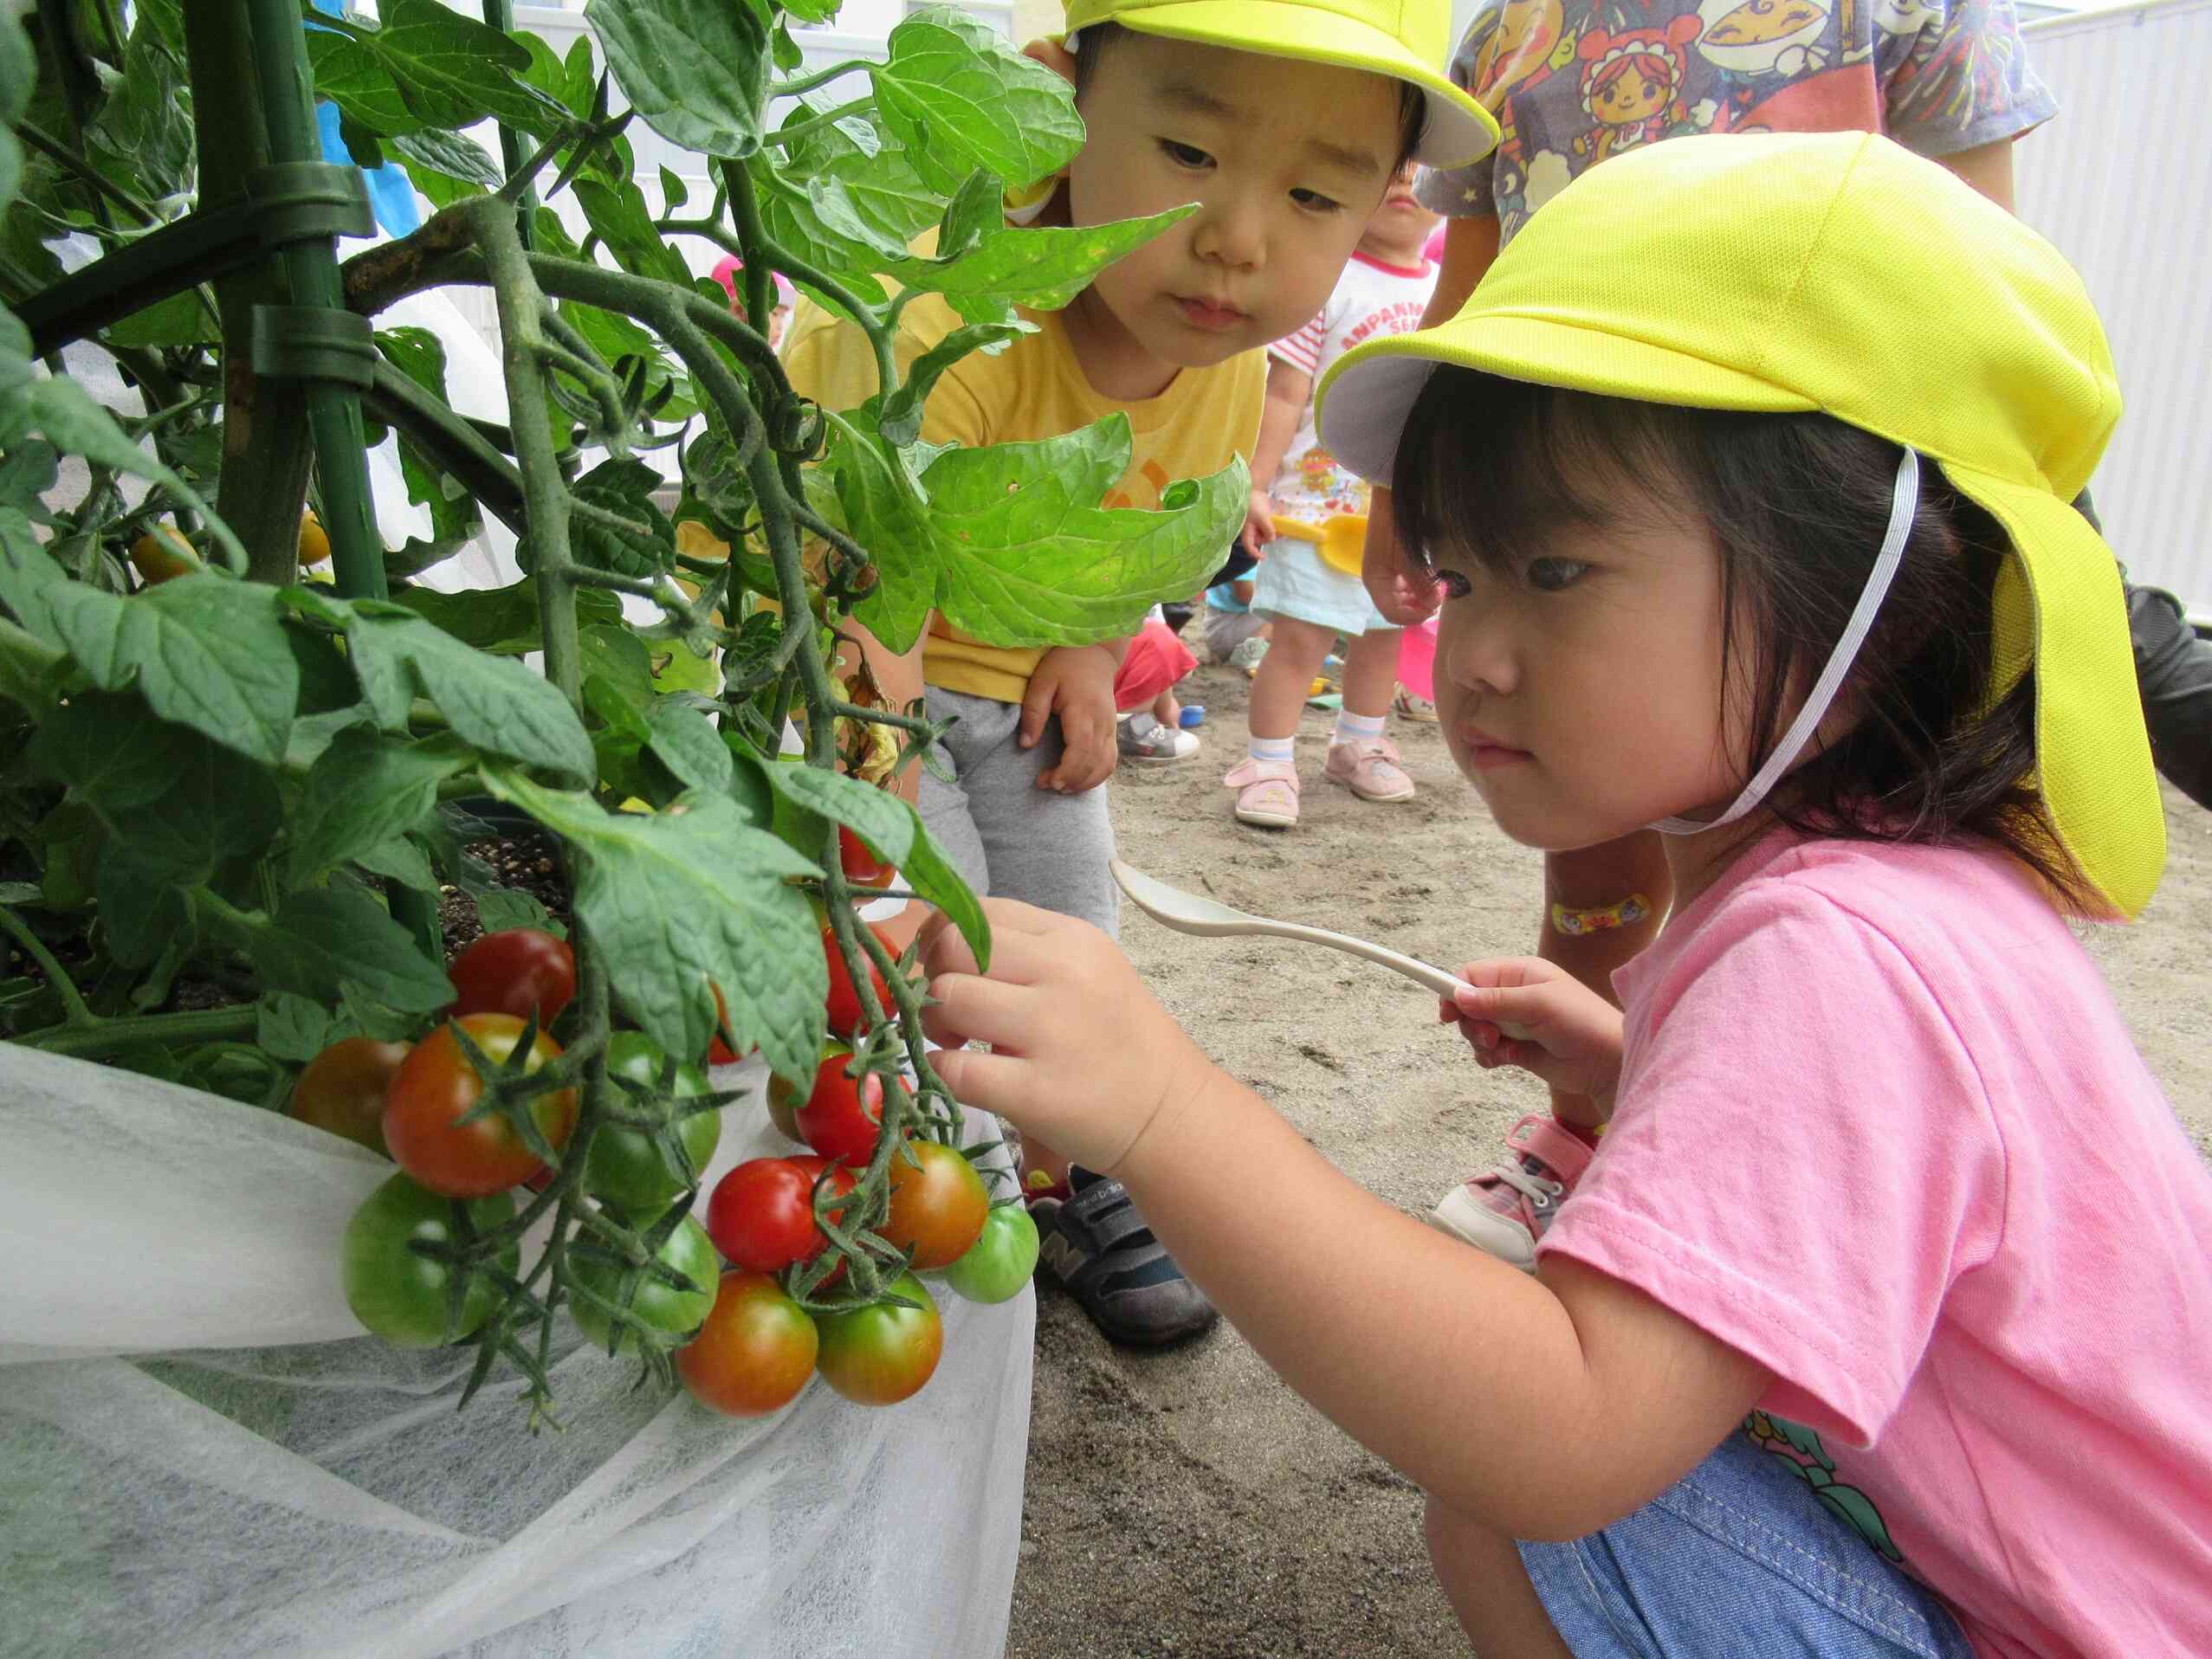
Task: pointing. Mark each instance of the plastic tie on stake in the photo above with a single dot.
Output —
(305, 201)
(315, 343)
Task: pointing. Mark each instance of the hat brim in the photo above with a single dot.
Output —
(1367, 394)
(1458, 131)
(2059, 604)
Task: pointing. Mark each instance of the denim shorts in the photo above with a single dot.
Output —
(1739, 1558)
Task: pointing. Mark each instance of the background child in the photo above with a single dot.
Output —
(1149, 712)
(1571, 85)
(1286, 152)
(1885, 1174)
(1383, 291)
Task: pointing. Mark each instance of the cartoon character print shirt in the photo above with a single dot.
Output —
(1371, 301)
(1573, 81)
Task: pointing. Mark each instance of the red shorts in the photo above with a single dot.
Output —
(1156, 660)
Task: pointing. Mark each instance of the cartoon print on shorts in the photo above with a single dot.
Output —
(1631, 86)
(1800, 1447)
(1761, 37)
(1317, 470)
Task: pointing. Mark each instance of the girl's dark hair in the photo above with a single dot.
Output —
(1798, 505)
(1413, 107)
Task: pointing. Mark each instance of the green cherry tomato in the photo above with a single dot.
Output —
(625, 1168)
(998, 1264)
(884, 1354)
(661, 1306)
(399, 1295)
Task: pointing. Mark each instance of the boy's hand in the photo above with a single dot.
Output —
(1082, 1057)
(1563, 1031)
(1259, 522)
(1077, 683)
(1402, 592)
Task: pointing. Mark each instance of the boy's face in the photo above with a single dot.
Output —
(1286, 160)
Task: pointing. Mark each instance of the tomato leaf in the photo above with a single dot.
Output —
(291, 1028)
(895, 831)
(454, 70)
(324, 941)
(501, 908)
(696, 73)
(689, 897)
(690, 748)
(959, 97)
(503, 621)
(453, 155)
(618, 213)
(365, 790)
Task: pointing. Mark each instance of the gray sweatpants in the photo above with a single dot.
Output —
(1008, 838)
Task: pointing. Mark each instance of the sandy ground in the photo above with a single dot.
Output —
(1187, 1503)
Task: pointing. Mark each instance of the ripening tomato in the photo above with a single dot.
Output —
(719, 1053)
(515, 970)
(846, 1015)
(625, 1168)
(343, 1088)
(785, 1100)
(938, 1204)
(842, 1114)
(315, 540)
(754, 1352)
(861, 866)
(436, 1085)
(999, 1263)
(156, 557)
(660, 1305)
(884, 1354)
(403, 1297)
(762, 1215)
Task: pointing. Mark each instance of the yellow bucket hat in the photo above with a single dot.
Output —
(1838, 272)
(1403, 39)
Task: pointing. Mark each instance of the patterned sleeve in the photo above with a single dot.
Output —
(1468, 191)
(1302, 350)
(1962, 79)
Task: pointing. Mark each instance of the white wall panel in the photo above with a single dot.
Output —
(2122, 182)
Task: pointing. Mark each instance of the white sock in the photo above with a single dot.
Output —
(1356, 728)
(1271, 748)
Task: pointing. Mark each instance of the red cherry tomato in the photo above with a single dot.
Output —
(938, 1206)
(844, 1115)
(436, 1085)
(881, 1355)
(846, 1015)
(862, 868)
(343, 1088)
(518, 970)
(754, 1352)
(761, 1215)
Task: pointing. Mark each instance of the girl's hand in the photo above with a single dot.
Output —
(1259, 522)
(1563, 1031)
(1082, 1057)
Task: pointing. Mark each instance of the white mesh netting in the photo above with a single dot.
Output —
(197, 1457)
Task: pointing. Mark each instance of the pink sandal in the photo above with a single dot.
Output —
(1267, 792)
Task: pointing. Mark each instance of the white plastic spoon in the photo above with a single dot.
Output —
(1190, 913)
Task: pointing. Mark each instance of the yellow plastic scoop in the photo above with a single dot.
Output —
(1341, 537)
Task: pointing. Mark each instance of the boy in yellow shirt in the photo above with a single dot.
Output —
(1284, 120)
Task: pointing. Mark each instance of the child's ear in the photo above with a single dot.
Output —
(1053, 53)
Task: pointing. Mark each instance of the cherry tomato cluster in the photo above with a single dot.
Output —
(748, 1346)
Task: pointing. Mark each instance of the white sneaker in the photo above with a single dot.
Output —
(1503, 1213)
(1141, 737)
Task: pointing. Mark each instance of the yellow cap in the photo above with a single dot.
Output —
(1404, 40)
(1839, 272)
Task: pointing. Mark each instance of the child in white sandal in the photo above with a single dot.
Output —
(1383, 291)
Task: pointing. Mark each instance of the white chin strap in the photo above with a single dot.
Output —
(1903, 501)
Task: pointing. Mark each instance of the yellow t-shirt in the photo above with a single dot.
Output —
(1034, 389)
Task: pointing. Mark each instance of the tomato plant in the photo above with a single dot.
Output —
(343, 1089)
(234, 801)
(879, 1354)
(436, 1086)
(755, 1352)
(625, 1168)
(938, 1204)
(1000, 1262)
(518, 970)
(667, 1309)
(404, 1296)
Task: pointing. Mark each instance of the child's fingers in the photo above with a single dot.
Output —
(996, 1083)
(1036, 709)
(968, 1008)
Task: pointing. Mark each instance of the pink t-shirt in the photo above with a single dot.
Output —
(1880, 1127)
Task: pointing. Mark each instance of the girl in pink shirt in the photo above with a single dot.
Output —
(1880, 1320)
